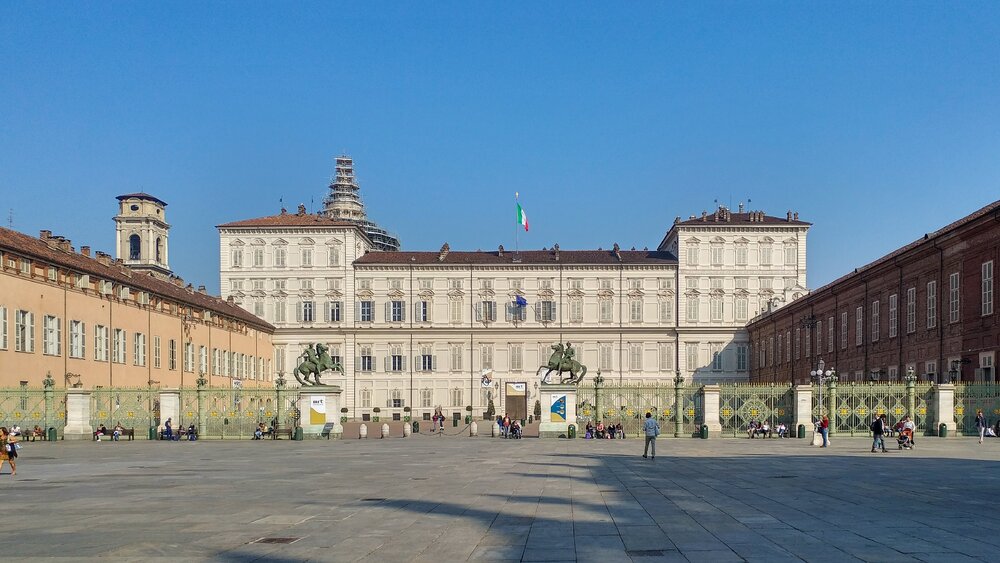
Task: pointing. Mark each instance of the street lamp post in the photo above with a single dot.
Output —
(822, 376)
(598, 380)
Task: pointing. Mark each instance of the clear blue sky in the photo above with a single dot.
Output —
(876, 122)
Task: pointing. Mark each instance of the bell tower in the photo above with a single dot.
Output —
(142, 231)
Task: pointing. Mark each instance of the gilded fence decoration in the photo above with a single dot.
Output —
(852, 406)
(741, 404)
(970, 397)
(132, 407)
(628, 404)
(25, 408)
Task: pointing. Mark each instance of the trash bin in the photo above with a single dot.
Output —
(152, 432)
(51, 436)
(943, 430)
(416, 426)
(802, 431)
(468, 419)
(572, 431)
(704, 432)
(298, 433)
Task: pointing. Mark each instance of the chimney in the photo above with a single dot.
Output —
(44, 234)
(741, 207)
(302, 210)
(178, 281)
(85, 250)
(788, 217)
(500, 251)
(284, 211)
(202, 290)
(704, 216)
(795, 216)
(677, 219)
(617, 250)
(555, 248)
(230, 300)
(103, 258)
(445, 249)
(189, 288)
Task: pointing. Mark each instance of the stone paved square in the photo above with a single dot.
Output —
(446, 499)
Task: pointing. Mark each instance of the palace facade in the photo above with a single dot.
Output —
(442, 328)
(925, 309)
(90, 319)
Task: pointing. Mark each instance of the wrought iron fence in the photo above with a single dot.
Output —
(25, 408)
(132, 407)
(971, 397)
(628, 404)
(741, 404)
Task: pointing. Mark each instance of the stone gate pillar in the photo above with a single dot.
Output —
(944, 409)
(803, 409)
(832, 407)
(709, 415)
(170, 407)
(78, 415)
(678, 406)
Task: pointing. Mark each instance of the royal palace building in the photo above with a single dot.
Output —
(88, 319)
(452, 328)
(926, 310)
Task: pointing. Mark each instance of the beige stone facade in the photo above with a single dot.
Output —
(93, 320)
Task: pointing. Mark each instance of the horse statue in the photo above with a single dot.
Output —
(315, 360)
(561, 361)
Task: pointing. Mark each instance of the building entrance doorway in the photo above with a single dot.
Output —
(516, 400)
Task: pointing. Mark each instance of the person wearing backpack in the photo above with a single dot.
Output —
(652, 430)
(878, 433)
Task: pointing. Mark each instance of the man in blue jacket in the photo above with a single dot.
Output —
(652, 430)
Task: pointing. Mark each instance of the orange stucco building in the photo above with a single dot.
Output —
(94, 320)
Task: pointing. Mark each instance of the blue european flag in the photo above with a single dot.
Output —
(520, 301)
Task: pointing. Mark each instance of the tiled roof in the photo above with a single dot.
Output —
(38, 249)
(536, 257)
(750, 218)
(290, 220)
(142, 195)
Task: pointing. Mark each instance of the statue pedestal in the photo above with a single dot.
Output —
(558, 410)
(320, 412)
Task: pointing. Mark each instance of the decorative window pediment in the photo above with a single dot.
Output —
(766, 292)
(767, 240)
(717, 293)
(365, 294)
(426, 293)
(237, 242)
(257, 293)
(665, 293)
(334, 242)
(546, 294)
(693, 240)
(692, 293)
(456, 293)
(257, 242)
(605, 294)
(334, 293)
(396, 294)
(718, 240)
(486, 293)
(575, 293)
(635, 293)
(280, 242)
(280, 293)
(306, 241)
(742, 240)
(306, 292)
(742, 292)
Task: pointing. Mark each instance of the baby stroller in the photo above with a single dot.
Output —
(515, 430)
(905, 439)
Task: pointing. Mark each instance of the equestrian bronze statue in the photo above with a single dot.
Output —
(315, 360)
(561, 361)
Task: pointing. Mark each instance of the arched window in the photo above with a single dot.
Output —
(134, 247)
(159, 250)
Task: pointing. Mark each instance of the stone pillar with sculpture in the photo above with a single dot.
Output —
(319, 401)
(558, 397)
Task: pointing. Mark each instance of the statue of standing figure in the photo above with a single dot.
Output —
(562, 361)
(315, 360)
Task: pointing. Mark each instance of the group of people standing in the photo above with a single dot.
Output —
(509, 428)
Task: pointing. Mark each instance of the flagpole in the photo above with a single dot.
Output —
(516, 234)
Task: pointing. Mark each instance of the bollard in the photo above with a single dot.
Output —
(385, 430)
(704, 432)
(416, 427)
(406, 430)
(572, 431)
(802, 431)
(494, 430)
(943, 430)
(363, 431)
(473, 429)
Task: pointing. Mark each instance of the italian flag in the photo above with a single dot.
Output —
(522, 218)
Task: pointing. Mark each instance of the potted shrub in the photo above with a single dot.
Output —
(343, 415)
(375, 417)
(538, 409)
(468, 417)
(406, 414)
(491, 410)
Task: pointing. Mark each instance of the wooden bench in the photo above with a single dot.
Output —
(180, 434)
(282, 431)
(130, 432)
(31, 435)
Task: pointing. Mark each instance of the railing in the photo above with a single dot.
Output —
(740, 404)
(628, 404)
(972, 397)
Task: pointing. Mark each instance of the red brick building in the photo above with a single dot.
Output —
(929, 307)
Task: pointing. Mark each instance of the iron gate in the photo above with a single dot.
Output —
(970, 397)
(741, 404)
(132, 407)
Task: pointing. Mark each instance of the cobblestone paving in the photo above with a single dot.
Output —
(444, 499)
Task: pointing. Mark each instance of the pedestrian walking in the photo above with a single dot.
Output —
(652, 430)
(824, 429)
(878, 433)
(980, 424)
(8, 450)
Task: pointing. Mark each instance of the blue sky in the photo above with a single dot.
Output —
(877, 123)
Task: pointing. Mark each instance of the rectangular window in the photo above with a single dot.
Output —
(691, 355)
(516, 357)
(716, 306)
(788, 347)
(606, 309)
(334, 311)
(742, 308)
(3, 321)
(455, 283)
(366, 398)
(486, 311)
(808, 343)
(635, 356)
(605, 359)
(308, 311)
(457, 397)
(51, 335)
(767, 283)
(486, 356)
(396, 283)
(715, 283)
(741, 357)
(425, 283)
(843, 330)
(931, 304)
(189, 358)
(395, 359)
(859, 326)
(692, 255)
(911, 310)
(741, 283)
(333, 257)
(692, 309)
(456, 357)
(426, 398)
(258, 257)
(139, 349)
(305, 284)
(741, 255)
(237, 258)
(77, 339)
(819, 337)
(397, 311)
(426, 358)
(546, 311)
(366, 310)
(422, 311)
(791, 255)
(692, 282)
(893, 315)
(455, 307)
(778, 355)
(118, 345)
(203, 360)
(280, 310)
(716, 255)
(279, 257)
(988, 288)
(258, 308)
(830, 340)
(798, 342)
(665, 283)
(875, 321)
(666, 350)
(365, 360)
(716, 357)
(576, 311)
(156, 352)
(101, 343)
(307, 257)
(765, 255)
(635, 310)
(172, 354)
(953, 298)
